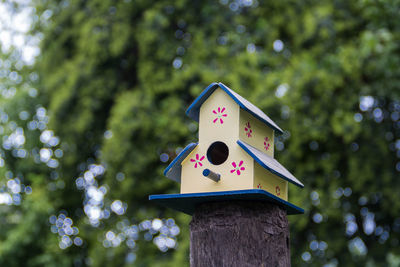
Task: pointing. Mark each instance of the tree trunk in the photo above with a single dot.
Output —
(239, 233)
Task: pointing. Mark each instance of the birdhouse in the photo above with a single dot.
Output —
(234, 156)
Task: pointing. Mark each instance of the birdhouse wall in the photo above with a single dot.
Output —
(218, 122)
(219, 119)
(264, 179)
(256, 133)
(236, 172)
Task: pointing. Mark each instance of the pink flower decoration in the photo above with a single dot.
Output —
(197, 161)
(266, 143)
(259, 186)
(220, 113)
(278, 191)
(248, 129)
(237, 168)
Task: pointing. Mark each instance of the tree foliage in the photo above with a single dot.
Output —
(114, 80)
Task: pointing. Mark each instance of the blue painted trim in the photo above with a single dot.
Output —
(206, 172)
(262, 164)
(188, 202)
(192, 112)
(194, 109)
(248, 110)
(190, 147)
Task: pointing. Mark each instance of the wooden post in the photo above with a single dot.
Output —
(239, 233)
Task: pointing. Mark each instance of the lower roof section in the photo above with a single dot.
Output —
(269, 163)
(174, 169)
(187, 202)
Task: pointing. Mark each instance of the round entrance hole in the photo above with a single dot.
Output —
(217, 153)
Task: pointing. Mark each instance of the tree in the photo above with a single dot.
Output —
(116, 77)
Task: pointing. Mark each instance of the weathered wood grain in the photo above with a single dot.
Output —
(239, 233)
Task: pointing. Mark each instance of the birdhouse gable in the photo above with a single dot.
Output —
(219, 118)
(194, 109)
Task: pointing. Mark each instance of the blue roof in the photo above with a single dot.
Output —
(174, 169)
(269, 163)
(194, 109)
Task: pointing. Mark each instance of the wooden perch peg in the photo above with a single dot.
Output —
(212, 175)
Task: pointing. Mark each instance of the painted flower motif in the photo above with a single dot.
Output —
(197, 160)
(259, 186)
(237, 167)
(278, 191)
(248, 129)
(266, 143)
(220, 113)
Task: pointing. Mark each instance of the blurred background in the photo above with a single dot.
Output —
(92, 101)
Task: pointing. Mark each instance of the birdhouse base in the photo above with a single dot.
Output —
(187, 202)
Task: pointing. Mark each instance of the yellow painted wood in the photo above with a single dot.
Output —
(211, 130)
(226, 131)
(189, 156)
(192, 180)
(263, 179)
(259, 131)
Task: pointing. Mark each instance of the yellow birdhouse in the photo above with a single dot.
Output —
(234, 157)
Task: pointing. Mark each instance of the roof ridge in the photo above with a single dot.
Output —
(194, 109)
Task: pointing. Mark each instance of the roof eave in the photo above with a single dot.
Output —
(193, 110)
(275, 127)
(178, 160)
(262, 164)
